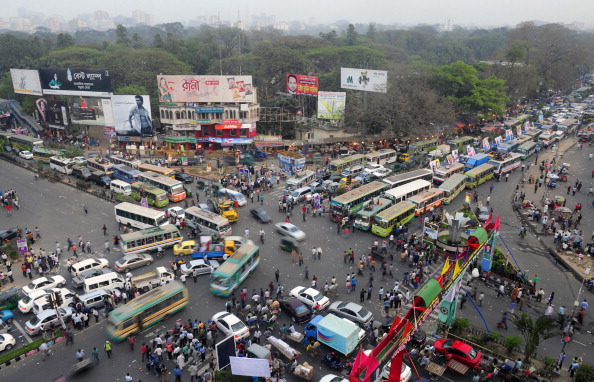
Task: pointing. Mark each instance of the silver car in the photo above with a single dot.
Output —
(45, 318)
(201, 267)
(133, 261)
(289, 229)
(351, 311)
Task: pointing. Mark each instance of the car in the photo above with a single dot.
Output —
(382, 172)
(231, 325)
(483, 214)
(295, 308)
(261, 215)
(26, 154)
(351, 311)
(460, 351)
(8, 234)
(45, 282)
(288, 229)
(201, 267)
(177, 212)
(4, 328)
(310, 297)
(7, 341)
(79, 281)
(44, 319)
(204, 206)
(183, 177)
(133, 261)
(6, 316)
(333, 378)
(80, 160)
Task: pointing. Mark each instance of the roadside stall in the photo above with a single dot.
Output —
(283, 348)
(304, 371)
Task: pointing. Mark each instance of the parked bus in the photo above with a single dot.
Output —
(150, 239)
(166, 171)
(407, 177)
(382, 157)
(174, 188)
(134, 163)
(444, 173)
(207, 223)
(25, 142)
(229, 276)
(479, 175)
(425, 145)
(5, 137)
(338, 165)
(526, 149)
(154, 196)
(394, 217)
(126, 173)
(44, 155)
(139, 217)
(364, 218)
(401, 193)
(523, 139)
(302, 180)
(461, 143)
(62, 164)
(506, 165)
(146, 310)
(452, 187)
(349, 203)
(508, 147)
(427, 200)
(534, 134)
(101, 165)
(235, 196)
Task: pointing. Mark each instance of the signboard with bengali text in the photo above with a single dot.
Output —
(76, 81)
(299, 84)
(194, 88)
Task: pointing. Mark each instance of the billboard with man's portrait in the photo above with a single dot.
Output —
(76, 81)
(192, 88)
(298, 84)
(132, 115)
(26, 81)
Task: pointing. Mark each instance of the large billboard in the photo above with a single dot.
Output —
(25, 81)
(90, 111)
(298, 84)
(132, 115)
(331, 105)
(75, 81)
(192, 88)
(364, 79)
(52, 112)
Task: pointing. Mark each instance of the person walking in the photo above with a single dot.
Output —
(131, 341)
(277, 275)
(107, 250)
(177, 372)
(95, 355)
(104, 228)
(503, 322)
(80, 354)
(107, 348)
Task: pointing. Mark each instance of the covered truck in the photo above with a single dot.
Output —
(338, 333)
(475, 161)
(153, 279)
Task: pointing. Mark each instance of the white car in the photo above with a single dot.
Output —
(231, 325)
(177, 212)
(333, 378)
(289, 229)
(372, 167)
(26, 154)
(6, 342)
(382, 172)
(45, 282)
(202, 267)
(405, 371)
(310, 297)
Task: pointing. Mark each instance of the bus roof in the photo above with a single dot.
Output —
(141, 301)
(147, 187)
(404, 189)
(135, 208)
(510, 157)
(453, 182)
(237, 259)
(148, 231)
(154, 168)
(380, 205)
(403, 178)
(480, 169)
(104, 163)
(395, 210)
(348, 159)
(355, 194)
(422, 195)
(216, 218)
(160, 178)
(380, 153)
(527, 145)
(463, 139)
(452, 167)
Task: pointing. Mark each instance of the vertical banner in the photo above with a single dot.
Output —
(509, 135)
(498, 140)
(434, 165)
(488, 252)
(467, 197)
(486, 145)
(22, 246)
(470, 151)
(450, 159)
(455, 156)
(519, 130)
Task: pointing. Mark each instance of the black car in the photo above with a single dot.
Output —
(100, 179)
(183, 177)
(261, 215)
(298, 311)
(8, 234)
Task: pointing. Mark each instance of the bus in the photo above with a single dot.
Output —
(126, 173)
(526, 149)
(302, 180)
(5, 137)
(382, 157)
(452, 187)
(166, 171)
(139, 217)
(523, 139)
(146, 310)
(134, 163)
(25, 142)
(401, 193)
(150, 239)
(364, 218)
(100, 164)
(338, 165)
(154, 196)
(236, 196)
(229, 276)
(426, 145)
(461, 143)
(479, 175)
(62, 164)
(174, 188)
(534, 134)
(208, 223)
(426, 200)
(407, 177)
(506, 165)
(395, 216)
(508, 147)
(349, 203)
(445, 172)
(44, 155)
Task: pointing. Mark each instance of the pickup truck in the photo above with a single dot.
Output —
(338, 333)
(152, 279)
(205, 249)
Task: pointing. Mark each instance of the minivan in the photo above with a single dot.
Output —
(94, 299)
(107, 281)
(120, 187)
(352, 171)
(41, 304)
(300, 194)
(84, 265)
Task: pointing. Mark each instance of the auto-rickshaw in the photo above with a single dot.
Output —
(289, 244)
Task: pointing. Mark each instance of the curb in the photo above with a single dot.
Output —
(31, 352)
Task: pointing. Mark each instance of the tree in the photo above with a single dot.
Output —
(122, 35)
(158, 42)
(137, 41)
(371, 32)
(64, 40)
(75, 56)
(330, 36)
(130, 89)
(351, 35)
(534, 332)
(584, 373)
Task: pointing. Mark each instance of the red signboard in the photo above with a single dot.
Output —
(298, 84)
(230, 121)
(228, 126)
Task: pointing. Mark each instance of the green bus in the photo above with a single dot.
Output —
(226, 278)
(461, 143)
(25, 142)
(424, 145)
(479, 175)
(364, 218)
(452, 187)
(146, 310)
(338, 165)
(154, 195)
(349, 203)
(150, 239)
(44, 154)
(395, 216)
(9, 299)
(526, 149)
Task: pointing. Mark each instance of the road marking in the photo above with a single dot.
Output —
(577, 342)
(20, 328)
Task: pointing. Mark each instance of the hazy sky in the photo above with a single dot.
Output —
(462, 12)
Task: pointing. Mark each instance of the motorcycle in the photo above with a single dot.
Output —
(332, 362)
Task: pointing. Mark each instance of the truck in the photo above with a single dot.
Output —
(206, 248)
(152, 279)
(440, 152)
(224, 207)
(338, 333)
(475, 161)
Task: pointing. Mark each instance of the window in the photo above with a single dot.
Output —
(177, 115)
(219, 133)
(243, 132)
(233, 132)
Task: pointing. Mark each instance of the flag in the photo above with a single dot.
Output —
(488, 219)
(456, 269)
(447, 306)
(446, 266)
(497, 224)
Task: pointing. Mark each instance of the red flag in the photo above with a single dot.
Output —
(488, 219)
(497, 224)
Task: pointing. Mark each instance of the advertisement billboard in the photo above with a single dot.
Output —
(298, 84)
(25, 81)
(89, 111)
(364, 79)
(132, 115)
(75, 81)
(331, 105)
(192, 88)
(52, 112)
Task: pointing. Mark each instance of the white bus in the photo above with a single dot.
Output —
(427, 200)
(303, 180)
(150, 239)
(382, 157)
(444, 173)
(62, 164)
(402, 193)
(407, 177)
(506, 165)
(134, 163)
(235, 196)
(139, 217)
(174, 188)
(101, 165)
(207, 222)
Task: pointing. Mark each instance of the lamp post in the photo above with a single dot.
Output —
(576, 304)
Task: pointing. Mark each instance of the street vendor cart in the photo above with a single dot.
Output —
(304, 371)
(282, 347)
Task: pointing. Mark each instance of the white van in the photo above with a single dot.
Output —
(107, 281)
(41, 303)
(120, 187)
(77, 268)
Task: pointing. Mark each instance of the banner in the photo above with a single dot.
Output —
(22, 246)
(298, 84)
(191, 88)
(488, 252)
(75, 81)
(89, 111)
(498, 140)
(486, 145)
(430, 232)
(470, 151)
(509, 135)
(25, 81)
(251, 367)
(364, 79)
(434, 165)
(455, 156)
(519, 130)
(52, 112)
(132, 115)
(331, 105)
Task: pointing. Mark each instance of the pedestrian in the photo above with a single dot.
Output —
(503, 322)
(95, 313)
(128, 378)
(86, 209)
(277, 275)
(501, 290)
(562, 357)
(481, 298)
(306, 273)
(131, 342)
(95, 355)
(107, 348)
(107, 250)
(551, 297)
(177, 372)
(573, 368)
(104, 230)
(362, 295)
(80, 354)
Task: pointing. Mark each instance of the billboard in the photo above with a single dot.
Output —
(331, 105)
(25, 81)
(89, 111)
(364, 79)
(132, 115)
(75, 81)
(191, 88)
(52, 112)
(298, 84)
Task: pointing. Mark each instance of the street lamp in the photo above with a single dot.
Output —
(576, 304)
